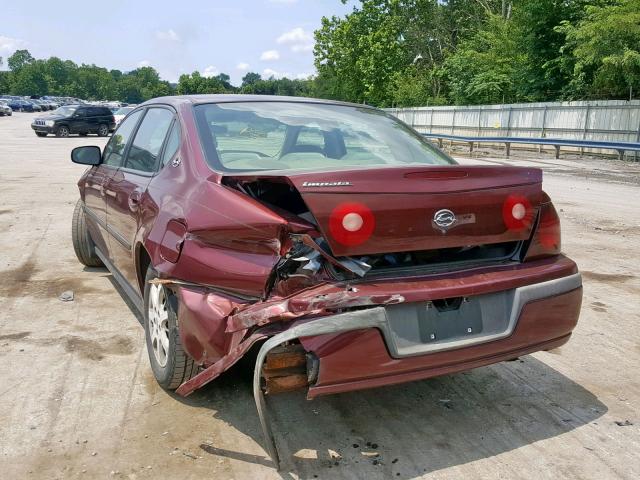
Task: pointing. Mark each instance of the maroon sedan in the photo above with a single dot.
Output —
(354, 251)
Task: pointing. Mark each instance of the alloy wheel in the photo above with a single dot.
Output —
(159, 323)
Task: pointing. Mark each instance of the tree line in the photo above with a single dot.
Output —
(53, 76)
(430, 52)
(409, 53)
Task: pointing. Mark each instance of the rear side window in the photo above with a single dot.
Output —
(114, 150)
(146, 146)
(310, 140)
(173, 143)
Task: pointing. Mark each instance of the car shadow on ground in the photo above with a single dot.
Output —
(407, 430)
(400, 431)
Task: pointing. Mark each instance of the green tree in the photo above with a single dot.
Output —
(489, 67)
(250, 78)
(19, 59)
(196, 83)
(30, 79)
(360, 53)
(602, 51)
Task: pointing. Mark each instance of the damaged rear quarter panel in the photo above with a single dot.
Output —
(230, 246)
(226, 241)
(203, 319)
(231, 242)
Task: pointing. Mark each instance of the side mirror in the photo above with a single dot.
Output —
(89, 155)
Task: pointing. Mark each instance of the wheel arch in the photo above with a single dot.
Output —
(143, 260)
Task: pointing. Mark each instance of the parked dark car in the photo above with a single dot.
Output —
(44, 104)
(19, 105)
(362, 254)
(81, 119)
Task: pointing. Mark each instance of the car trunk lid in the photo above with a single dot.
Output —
(418, 208)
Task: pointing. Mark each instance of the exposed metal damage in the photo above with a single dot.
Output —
(242, 320)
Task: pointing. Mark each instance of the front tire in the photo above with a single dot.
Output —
(169, 362)
(62, 131)
(82, 243)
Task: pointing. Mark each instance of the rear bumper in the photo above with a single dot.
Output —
(352, 348)
(359, 349)
(542, 325)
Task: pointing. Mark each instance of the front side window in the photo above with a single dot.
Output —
(249, 136)
(143, 154)
(114, 150)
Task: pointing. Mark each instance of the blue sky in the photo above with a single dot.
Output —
(271, 37)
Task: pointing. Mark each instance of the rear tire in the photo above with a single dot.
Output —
(82, 243)
(103, 130)
(169, 362)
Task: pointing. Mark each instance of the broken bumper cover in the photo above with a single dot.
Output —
(562, 294)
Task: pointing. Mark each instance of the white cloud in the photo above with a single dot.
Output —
(242, 66)
(168, 35)
(269, 72)
(298, 39)
(210, 71)
(304, 76)
(9, 45)
(144, 63)
(297, 35)
(270, 55)
(302, 48)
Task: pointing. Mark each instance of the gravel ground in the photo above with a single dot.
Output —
(78, 400)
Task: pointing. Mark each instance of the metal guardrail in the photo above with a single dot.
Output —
(620, 147)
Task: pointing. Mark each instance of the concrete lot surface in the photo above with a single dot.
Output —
(78, 400)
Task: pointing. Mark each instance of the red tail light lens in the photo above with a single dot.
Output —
(546, 238)
(517, 212)
(351, 223)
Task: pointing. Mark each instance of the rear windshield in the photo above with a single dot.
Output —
(250, 136)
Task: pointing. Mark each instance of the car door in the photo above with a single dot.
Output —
(127, 189)
(97, 181)
(79, 121)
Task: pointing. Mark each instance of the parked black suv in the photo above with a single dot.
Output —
(82, 119)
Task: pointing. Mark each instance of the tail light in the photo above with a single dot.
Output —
(351, 223)
(517, 213)
(546, 237)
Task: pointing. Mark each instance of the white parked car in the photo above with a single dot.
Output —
(5, 109)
